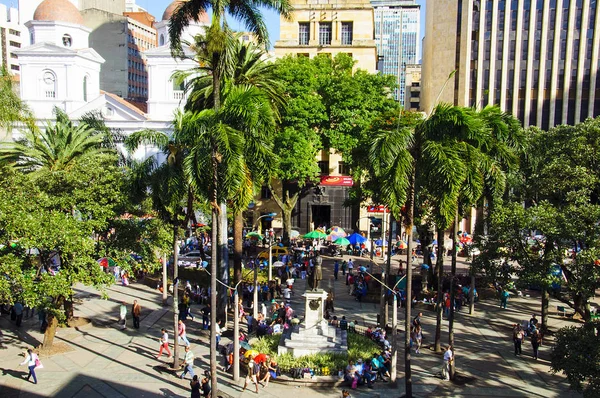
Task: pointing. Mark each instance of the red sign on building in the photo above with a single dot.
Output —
(337, 181)
(377, 209)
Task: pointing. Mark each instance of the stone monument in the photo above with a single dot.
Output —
(314, 335)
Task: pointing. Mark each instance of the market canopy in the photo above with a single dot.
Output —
(356, 239)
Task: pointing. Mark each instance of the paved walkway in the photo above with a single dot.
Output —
(107, 362)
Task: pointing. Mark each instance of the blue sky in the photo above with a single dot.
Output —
(157, 7)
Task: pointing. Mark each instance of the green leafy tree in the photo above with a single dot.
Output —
(12, 109)
(576, 353)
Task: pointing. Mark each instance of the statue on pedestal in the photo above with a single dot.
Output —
(317, 272)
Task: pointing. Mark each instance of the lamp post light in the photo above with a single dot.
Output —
(256, 265)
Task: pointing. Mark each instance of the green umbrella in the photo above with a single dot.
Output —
(254, 234)
(315, 235)
(342, 242)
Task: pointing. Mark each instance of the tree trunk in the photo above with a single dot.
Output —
(287, 205)
(50, 332)
(69, 309)
(545, 304)
(236, 335)
(223, 274)
(214, 267)
(287, 223)
(238, 239)
(213, 304)
(388, 269)
(582, 307)
(407, 314)
(52, 324)
(439, 305)
(471, 292)
(175, 298)
(452, 295)
(165, 297)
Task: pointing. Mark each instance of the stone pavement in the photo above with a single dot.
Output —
(107, 362)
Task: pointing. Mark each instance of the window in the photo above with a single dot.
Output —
(343, 168)
(15, 44)
(265, 192)
(14, 32)
(324, 167)
(324, 33)
(303, 33)
(161, 41)
(14, 67)
(67, 40)
(346, 33)
(85, 88)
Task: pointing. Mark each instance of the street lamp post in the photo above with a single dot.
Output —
(256, 265)
(270, 254)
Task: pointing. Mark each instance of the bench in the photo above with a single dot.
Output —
(562, 310)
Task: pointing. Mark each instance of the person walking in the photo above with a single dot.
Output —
(181, 335)
(188, 363)
(195, 387)
(18, 308)
(164, 344)
(336, 269)
(504, 298)
(251, 375)
(136, 309)
(518, 336)
(123, 315)
(205, 316)
(32, 361)
(448, 358)
(536, 340)
(218, 333)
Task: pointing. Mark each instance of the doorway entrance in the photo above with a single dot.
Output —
(321, 216)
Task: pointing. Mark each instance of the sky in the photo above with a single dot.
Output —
(157, 7)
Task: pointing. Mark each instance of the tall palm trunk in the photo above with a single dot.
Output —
(238, 239)
(439, 305)
(175, 299)
(216, 60)
(213, 274)
(453, 294)
(407, 315)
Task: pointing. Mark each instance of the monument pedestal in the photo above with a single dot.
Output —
(314, 335)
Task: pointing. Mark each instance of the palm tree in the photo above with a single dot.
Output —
(245, 11)
(56, 148)
(169, 190)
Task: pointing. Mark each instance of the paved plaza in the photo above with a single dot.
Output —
(104, 361)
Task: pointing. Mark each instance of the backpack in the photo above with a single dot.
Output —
(296, 373)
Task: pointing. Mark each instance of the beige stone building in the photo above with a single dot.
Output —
(330, 27)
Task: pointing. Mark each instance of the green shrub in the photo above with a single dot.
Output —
(359, 347)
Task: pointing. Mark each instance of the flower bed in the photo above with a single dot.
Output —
(359, 347)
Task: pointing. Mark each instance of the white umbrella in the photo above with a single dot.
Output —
(278, 264)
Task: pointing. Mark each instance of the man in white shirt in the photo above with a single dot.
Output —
(188, 363)
(218, 333)
(287, 294)
(448, 358)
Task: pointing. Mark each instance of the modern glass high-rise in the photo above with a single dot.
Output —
(397, 25)
(537, 59)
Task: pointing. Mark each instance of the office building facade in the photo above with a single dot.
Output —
(397, 26)
(537, 59)
(330, 27)
(12, 35)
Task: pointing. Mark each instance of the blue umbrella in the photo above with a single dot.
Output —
(379, 242)
(356, 239)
